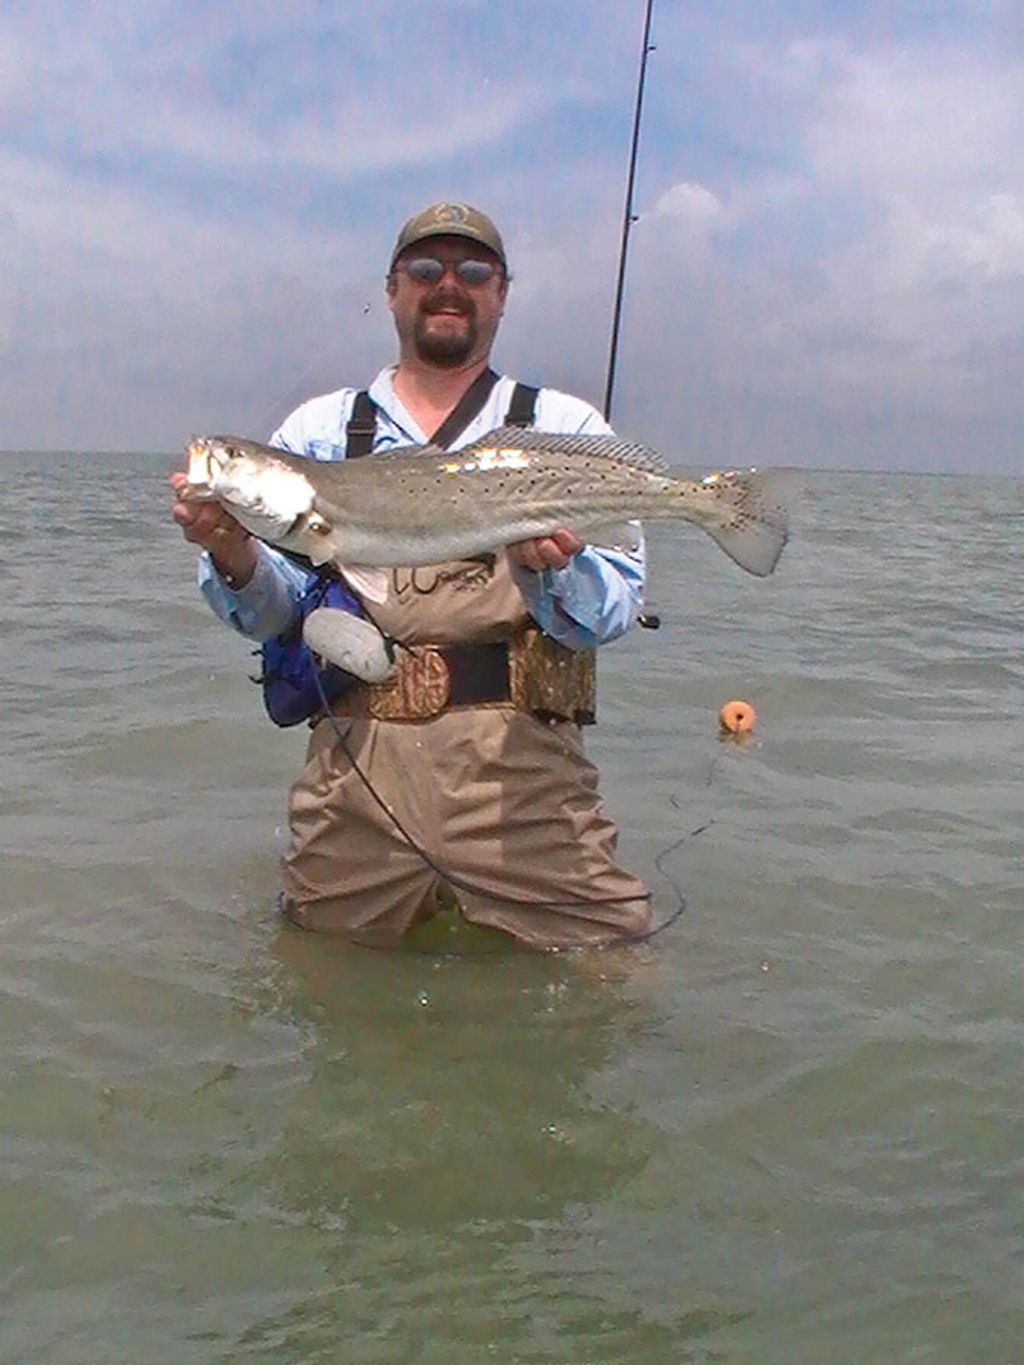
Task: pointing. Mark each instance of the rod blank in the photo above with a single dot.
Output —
(628, 217)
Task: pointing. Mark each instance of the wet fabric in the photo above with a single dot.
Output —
(498, 799)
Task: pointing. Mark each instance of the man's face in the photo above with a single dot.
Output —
(449, 322)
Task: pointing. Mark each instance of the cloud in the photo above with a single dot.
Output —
(927, 120)
(868, 298)
(694, 213)
(292, 92)
(927, 147)
(124, 324)
(197, 200)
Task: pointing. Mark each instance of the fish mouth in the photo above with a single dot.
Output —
(202, 469)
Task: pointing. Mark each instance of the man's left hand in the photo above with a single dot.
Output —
(546, 552)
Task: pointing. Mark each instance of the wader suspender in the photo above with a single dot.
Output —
(521, 410)
(361, 427)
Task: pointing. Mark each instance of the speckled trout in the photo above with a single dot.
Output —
(425, 505)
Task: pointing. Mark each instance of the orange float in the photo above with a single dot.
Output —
(737, 718)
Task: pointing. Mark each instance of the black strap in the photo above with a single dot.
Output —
(522, 409)
(470, 405)
(361, 428)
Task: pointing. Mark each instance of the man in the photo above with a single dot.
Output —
(482, 784)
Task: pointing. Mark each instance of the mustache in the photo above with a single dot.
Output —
(437, 299)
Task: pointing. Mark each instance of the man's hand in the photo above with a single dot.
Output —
(546, 552)
(231, 547)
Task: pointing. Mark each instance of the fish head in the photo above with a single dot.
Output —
(206, 457)
(264, 494)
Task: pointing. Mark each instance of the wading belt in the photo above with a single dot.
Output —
(532, 671)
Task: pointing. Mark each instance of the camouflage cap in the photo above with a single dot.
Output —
(450, 220)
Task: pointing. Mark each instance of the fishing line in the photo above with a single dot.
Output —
(294, 387)
(287, 396)
(458, 883)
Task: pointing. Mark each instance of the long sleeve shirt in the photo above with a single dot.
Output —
(594, 599)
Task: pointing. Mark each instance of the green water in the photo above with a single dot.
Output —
(788, 1130)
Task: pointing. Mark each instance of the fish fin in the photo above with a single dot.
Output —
(603, 447)
(351, 642)
(614, 535)
(753, 526)
(367, 580)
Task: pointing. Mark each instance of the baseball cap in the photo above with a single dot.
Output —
(450, 220)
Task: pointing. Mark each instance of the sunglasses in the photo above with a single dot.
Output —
(429, 270)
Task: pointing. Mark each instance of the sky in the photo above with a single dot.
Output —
(826, 269)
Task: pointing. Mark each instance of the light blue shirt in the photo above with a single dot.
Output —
(594, 599)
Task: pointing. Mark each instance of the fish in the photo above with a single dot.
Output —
(421, 505)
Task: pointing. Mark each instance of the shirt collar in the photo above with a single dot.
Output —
(382, 391)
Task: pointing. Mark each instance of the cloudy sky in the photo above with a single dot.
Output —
(197, 201)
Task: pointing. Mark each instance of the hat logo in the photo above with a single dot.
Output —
(451, 213)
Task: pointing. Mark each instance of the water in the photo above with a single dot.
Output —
(790, 1129)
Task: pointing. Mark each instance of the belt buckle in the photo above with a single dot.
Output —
(420, 688)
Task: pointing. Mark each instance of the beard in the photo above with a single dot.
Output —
(447, 349)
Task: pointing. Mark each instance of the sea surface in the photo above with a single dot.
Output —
(788, 1130)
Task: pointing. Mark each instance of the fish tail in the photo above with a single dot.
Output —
(749, 520)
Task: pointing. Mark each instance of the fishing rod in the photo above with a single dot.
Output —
(628, 217)
(649, 620)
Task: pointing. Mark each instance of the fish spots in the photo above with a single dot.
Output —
(731, 480)
(719, 481)
(489, 458)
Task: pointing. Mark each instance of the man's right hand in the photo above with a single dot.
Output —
(231, 547)
(546, 552)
